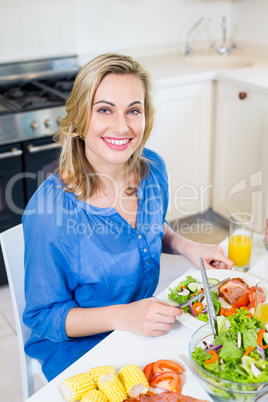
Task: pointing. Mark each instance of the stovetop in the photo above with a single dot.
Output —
(27, 94)
(33, 96)
(35, 85)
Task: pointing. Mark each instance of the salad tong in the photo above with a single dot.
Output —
(207, 291)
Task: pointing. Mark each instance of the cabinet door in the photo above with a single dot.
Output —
(240, 177)
(182, 136)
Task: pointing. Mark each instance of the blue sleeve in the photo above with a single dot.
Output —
(159, 169)
(51, 264)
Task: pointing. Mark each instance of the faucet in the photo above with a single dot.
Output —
(188, 48)
(223, 49)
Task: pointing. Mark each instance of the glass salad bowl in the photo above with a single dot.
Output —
(220, 389)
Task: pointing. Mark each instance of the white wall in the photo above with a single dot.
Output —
(43, 28)
(116, 25)
(36, 29)
(251, 21)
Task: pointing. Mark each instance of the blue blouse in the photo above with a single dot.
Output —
(78, 255)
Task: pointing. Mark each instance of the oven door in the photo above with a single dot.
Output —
(41, 159)
(12, 196)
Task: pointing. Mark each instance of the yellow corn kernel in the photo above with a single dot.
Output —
(112, 388)
(94, 395)
(75, 387)
(134, 380)
(96, 372)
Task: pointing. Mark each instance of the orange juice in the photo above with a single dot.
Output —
(262, 312)
(240, 250)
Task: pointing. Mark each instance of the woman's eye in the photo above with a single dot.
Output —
(104, 110)
(135, 111)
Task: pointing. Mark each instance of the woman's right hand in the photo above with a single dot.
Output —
(148, 317)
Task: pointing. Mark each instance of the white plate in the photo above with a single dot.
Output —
(190, 385)
(220, 274)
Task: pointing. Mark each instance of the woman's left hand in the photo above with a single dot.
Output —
(174, 243)
(212, 255)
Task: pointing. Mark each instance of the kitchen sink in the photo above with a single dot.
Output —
(219, 62)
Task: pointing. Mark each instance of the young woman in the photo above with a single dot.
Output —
(94, 231)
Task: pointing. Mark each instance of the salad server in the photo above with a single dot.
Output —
(213, 287)
(210, 304)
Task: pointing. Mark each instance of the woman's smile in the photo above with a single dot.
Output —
(116, 143)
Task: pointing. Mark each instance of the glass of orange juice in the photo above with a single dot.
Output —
(261, 301)
(240, 240)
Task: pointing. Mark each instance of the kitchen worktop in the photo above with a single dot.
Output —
(173, 69)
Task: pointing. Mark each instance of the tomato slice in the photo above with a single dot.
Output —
(243, 301)
(167, 365)
(148, 371)
(168, 380)
(252, 296)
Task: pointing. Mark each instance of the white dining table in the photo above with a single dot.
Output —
(123, 347)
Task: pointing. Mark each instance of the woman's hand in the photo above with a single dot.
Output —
(212, 255)
(266, 230)
(148, 317)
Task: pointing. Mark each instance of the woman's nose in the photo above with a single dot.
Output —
(120, 124)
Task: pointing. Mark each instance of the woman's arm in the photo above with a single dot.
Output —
(148, 317)
(213, 255)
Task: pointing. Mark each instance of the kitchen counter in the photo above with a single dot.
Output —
(122, 347)
(175, 69)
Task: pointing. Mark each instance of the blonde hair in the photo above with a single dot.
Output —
(75, 169)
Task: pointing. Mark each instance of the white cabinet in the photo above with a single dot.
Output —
(241, 153)
(182, 136)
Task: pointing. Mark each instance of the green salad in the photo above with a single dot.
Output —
(189, 288)
(239, 352)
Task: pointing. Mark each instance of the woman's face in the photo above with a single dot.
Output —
(117, 121)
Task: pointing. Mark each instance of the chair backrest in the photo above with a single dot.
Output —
(12, 243)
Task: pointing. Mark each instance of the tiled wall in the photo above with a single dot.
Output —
(119, 25)
(31, 29)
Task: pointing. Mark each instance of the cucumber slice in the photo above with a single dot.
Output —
(213, 281)
(192, 286)
(265, 337)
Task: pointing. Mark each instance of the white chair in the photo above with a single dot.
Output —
(12, 242)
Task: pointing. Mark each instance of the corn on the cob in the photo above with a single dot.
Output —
(134, 380)
(94, 395)
(75, 387)
(112, 388)
(96, 372)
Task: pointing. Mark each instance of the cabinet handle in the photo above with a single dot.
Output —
(33, 149)
(242, 95)
(12, 154)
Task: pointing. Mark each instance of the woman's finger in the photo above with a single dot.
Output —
(167, 309)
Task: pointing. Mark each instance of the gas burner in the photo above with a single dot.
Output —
(64, 86)
(14, 93)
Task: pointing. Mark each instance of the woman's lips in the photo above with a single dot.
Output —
(117, 144)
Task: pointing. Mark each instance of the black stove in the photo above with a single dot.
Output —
(32, 104)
